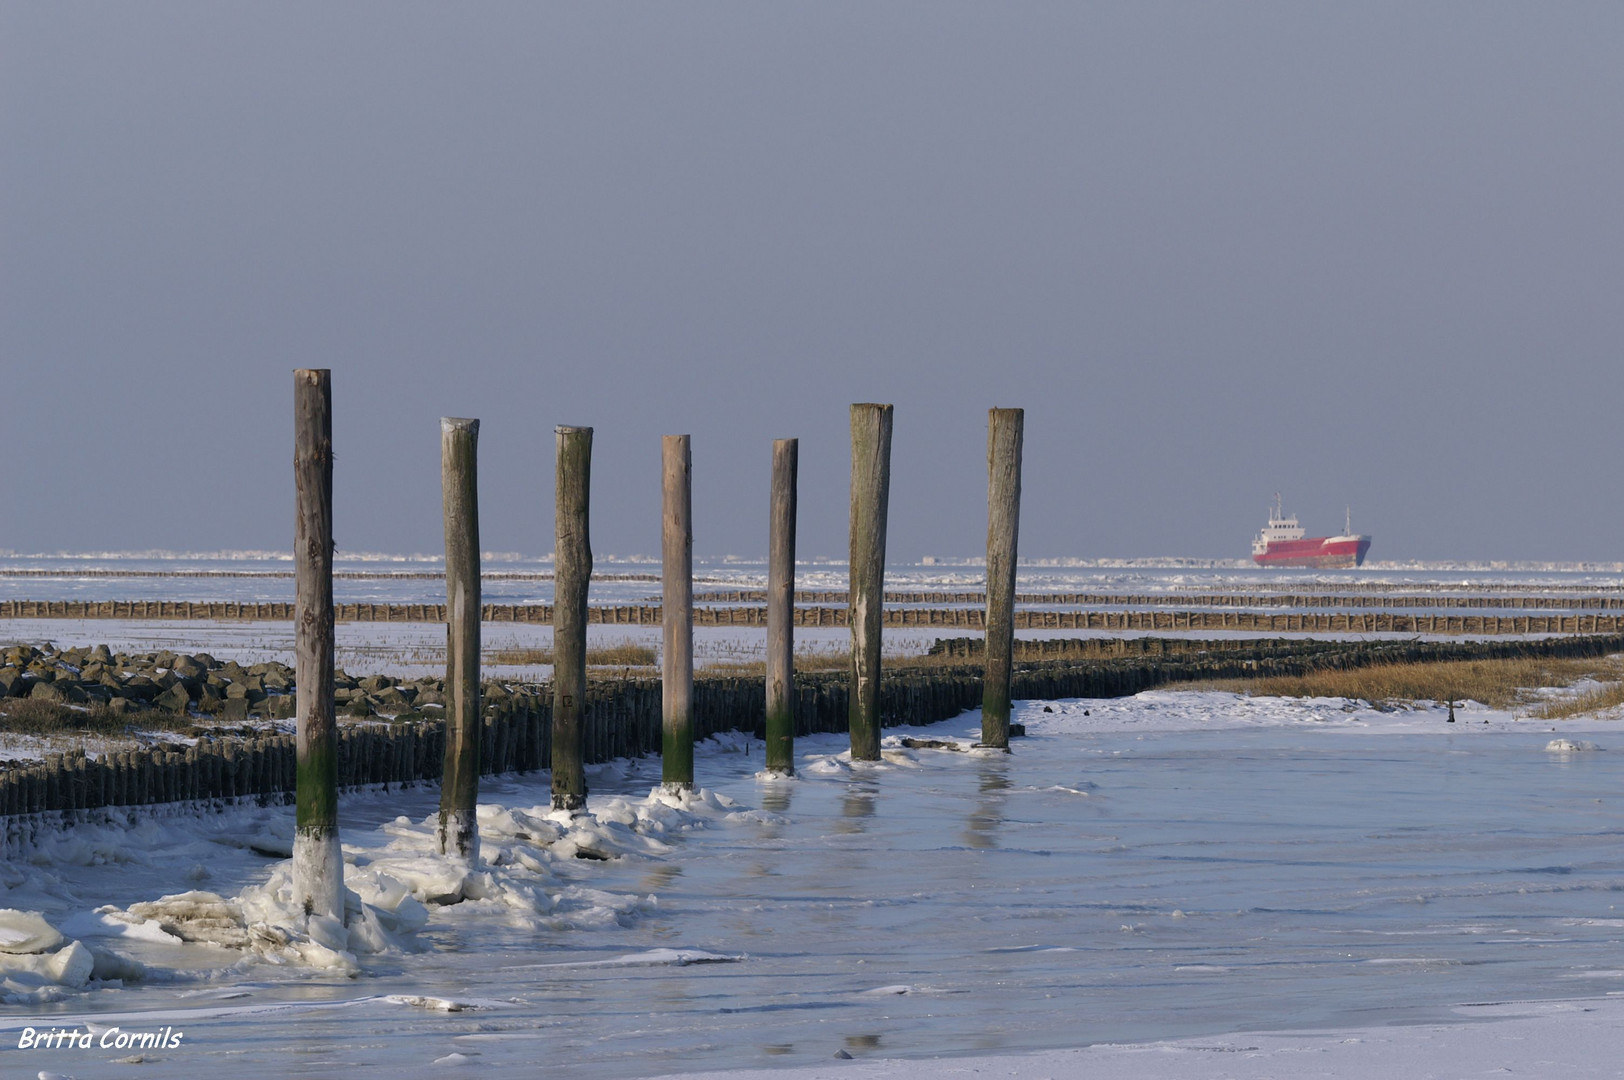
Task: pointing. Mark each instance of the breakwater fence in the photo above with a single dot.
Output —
(1378, 597)
(1281, 656)
(1371, 622)
(623, 719)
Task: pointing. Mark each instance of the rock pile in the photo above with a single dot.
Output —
(198, 685)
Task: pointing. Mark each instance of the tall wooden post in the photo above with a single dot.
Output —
(459, 781)
(677, 614)
(1004, 431)
(318, 861)
(572, 573)
(870, 496)
(781, 610)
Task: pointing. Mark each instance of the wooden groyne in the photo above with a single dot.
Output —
(1369, 622)
(1531, 601)
(1279, 656)
(623, 719)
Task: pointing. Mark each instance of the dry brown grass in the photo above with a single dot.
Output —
(28, 716)
(624, 654)
(1596, 699)
(1499, 684)
(519, 657)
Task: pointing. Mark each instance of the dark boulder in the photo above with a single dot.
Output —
(44, 691)
(175, 699)
(188, 667)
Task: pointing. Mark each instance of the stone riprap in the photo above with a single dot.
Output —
(199, 686)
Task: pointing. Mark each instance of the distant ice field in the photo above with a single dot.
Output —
(410, 579)
(1166, 866)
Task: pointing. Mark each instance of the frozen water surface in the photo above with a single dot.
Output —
(1169, 865)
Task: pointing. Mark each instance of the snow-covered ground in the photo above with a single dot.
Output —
(1179, 884)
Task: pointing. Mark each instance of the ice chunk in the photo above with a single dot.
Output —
(315, 954)
(275, 843)
(328, 932)
(70, 966)
(454, 1059)
(111, 922)
(197, 916)
(384, 899)
(26, 932)
(433, 1004)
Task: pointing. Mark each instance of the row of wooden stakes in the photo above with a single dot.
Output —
(1376, 622)
(317, 865)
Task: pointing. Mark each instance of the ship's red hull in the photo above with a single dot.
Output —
(1320, 552)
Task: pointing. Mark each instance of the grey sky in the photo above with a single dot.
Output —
(1361, 253)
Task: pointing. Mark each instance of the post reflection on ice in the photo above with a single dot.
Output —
(857, 805)
(987, 811)
(776, 795)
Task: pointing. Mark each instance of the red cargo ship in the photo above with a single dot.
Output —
(1282, 543)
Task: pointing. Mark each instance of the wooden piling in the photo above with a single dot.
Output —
(459, 781)
(572, 573)
(677, 598)
(780, 728)
(870, 496)
(1005, 428)
(318, 867)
